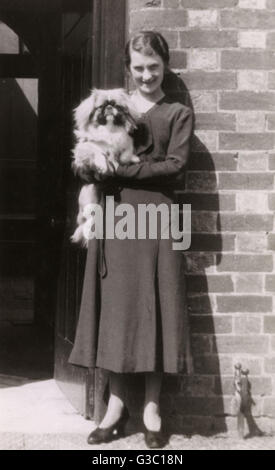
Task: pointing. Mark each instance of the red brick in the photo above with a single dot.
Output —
(209, 202)
(251, 242)
(269, 365)
(247, 19)
(171, 3)
(213, 162)
(246, 181)
(252, 80)
(204, 140)
(205, 222)
(213, 364)
(178, 59)
(159, 19)
(249, 283)
(197, 386)
(139, 4)
(271, 162)
(202, 406)
(252, 39)
(201, 181)
(251, 161)
(259, 385)
(254, 60)
(242, 344)
(216, 121)
(200, 344)
(248, 100)
(269, 324)
(203, 19)
(271, 80)
(204, 101)
(244, 303)
(211, 324)
(270, 40)
(201, 4)
(245, 263)
(248, 324)
(187, 424)
(270, 283)
(251, 121)
(210, 283)
(200, 80)
(199, 304)
(171, 37)
(200, 38)
(271, 241)
(246, 141)
(197, 262)
(269, 407)
(212, 242)
(271, 202)
(246, 222)
(254, 365)
(271, 122)
(253, 202)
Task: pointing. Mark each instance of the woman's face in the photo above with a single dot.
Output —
(147, 72)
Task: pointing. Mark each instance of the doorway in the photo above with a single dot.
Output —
(26, 348)
(44, 77)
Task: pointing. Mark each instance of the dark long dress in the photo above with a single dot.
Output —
(133, 315)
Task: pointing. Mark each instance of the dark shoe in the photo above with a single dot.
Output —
(100, 435)
(154, 439)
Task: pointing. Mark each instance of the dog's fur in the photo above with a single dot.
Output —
(103, 123)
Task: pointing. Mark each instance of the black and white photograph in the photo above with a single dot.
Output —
(137, 229)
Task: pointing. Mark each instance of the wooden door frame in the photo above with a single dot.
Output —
(107, 71)
(110, 34)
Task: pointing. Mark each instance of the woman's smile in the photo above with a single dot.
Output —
(147, 72)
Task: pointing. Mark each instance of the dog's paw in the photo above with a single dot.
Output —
(100, 163)
(135, 159)
(88, 209)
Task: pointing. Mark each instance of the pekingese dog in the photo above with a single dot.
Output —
(103, 124)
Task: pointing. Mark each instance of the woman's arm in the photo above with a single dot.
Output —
(87, 175)
(176, 158)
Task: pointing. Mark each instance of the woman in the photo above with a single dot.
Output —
(139, 323)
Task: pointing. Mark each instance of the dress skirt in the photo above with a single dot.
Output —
(133, 315)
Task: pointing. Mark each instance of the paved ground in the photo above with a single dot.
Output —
(34, 415)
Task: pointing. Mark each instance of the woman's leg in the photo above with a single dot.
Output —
(151, 414)
(116, 400)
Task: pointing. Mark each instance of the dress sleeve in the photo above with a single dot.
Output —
(176, 157)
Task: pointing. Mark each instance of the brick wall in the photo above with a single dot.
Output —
(224, 52)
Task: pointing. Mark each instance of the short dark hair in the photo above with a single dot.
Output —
(147, 42)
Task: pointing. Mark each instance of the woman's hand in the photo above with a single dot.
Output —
(107, 167)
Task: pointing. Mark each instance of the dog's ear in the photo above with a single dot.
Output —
(83, 111)
(123, 98)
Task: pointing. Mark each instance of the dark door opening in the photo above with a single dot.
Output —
(40, 271)
(26, 349)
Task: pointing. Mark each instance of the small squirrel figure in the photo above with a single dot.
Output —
(244, 402)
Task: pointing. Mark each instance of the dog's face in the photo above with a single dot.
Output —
(106, 107)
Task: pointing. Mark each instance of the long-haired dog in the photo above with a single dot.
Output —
(103, 124)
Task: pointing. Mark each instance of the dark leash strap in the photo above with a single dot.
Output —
(102, 265)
